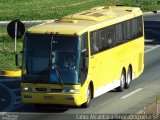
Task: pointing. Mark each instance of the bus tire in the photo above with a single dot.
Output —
(129, 78)
(89, 96)
(122, 82)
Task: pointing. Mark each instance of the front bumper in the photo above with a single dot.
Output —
(52, 98)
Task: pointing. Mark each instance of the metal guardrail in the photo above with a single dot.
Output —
(3, 24)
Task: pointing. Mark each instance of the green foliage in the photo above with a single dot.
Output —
(7, 58)
(51, 9)
(145, 5)
(158, 97)
(45, 9)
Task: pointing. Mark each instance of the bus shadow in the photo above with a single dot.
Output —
(27, 108)
(55, 109)
(152, 32)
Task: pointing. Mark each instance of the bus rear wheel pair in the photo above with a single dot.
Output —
(125, 81)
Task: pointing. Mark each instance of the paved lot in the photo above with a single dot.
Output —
(5, 97)
(9, 93)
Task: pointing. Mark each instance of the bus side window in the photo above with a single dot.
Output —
(102, 41)
(84, 43)
(110, 36)
(95, 46)
(119, 36)
(94, 42)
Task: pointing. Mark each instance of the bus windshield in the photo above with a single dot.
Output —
(51, 59)
(65, 59)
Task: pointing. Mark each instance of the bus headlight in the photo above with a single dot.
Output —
(71, 90)
(26, 89)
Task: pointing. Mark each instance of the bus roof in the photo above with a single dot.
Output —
(87, 20)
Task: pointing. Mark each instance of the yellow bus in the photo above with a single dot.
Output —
(82, 56)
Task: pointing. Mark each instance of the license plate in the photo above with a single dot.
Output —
(48, 98)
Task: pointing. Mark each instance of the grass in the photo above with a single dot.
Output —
(45, 9)
(158, 97)
(7, 58)
(145, 5)
(49, 9)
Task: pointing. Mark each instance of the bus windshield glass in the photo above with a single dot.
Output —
(65, 59)
(36, 58)
(51, 59)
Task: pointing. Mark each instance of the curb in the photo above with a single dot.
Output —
(151, 12)
(5, 23)
(10, 73)
(156, 11)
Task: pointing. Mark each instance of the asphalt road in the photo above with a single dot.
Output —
(5, 97)
(152, 28)
(9, 93)
(142, 92)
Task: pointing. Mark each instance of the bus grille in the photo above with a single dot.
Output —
(47, 90)
(55, 90)
(41, 89)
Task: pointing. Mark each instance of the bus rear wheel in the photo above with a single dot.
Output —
(129, 78)
(122, 82)
(89, 96)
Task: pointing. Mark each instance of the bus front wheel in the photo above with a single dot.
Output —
(87, 103)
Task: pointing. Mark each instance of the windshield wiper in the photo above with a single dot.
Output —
(57, 73)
